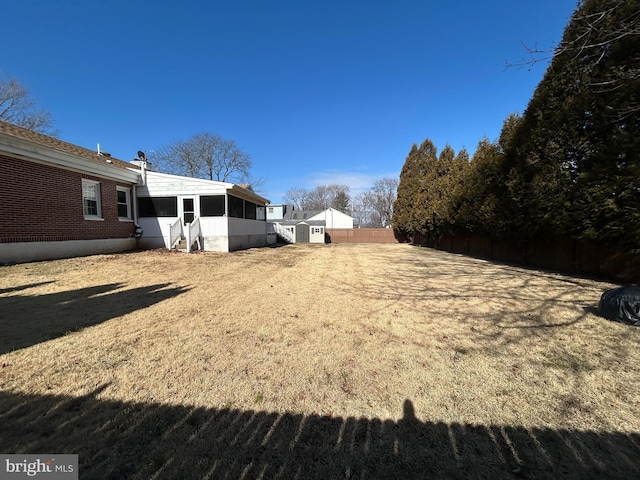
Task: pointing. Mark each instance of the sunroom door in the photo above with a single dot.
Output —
(188, 209)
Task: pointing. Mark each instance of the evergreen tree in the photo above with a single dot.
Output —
(572, 163)
(341, 202)
(407, 188)
(457, 187)
(425, 202)
(438, 204)
(409, 212)
(479, 192)
(423, 220)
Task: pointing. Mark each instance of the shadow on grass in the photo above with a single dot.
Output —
(26, 320)
(479, 294)
(140, 441)
(23, 287)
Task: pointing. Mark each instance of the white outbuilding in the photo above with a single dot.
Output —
(304, 226)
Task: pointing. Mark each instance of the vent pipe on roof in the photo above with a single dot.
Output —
(102, 153)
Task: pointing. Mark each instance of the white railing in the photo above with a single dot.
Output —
(283, 232)
(175, 232)
(194, 233)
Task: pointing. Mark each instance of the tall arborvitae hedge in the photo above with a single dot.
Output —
(569, 166)
(573, 165)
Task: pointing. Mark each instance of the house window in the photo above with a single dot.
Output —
(236, 207)
(91, 200)
(270, 209)
(317, 230)
(124, 203)
(212, 206)
(158, 206)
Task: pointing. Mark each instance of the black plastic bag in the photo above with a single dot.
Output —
(621, 304)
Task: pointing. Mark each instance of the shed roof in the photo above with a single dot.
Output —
(300, 215)
(313, 223)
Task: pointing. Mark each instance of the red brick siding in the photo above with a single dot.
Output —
(43, 203)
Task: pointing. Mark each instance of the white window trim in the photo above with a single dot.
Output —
(127, 191)
(93, 183)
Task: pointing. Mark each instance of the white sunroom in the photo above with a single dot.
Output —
(204, 214)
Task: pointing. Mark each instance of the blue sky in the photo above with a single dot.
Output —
(317, 92)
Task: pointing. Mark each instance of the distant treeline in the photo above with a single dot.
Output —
(567, 167)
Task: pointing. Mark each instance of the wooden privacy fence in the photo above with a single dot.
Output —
(562, 255)
(360, 235)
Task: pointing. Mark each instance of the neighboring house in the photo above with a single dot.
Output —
(277, 212)
(60, 200)
(302, 226)
(223, 217)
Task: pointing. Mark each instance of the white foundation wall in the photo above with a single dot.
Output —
(36, 251)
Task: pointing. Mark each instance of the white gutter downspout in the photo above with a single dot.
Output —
(134, 201)
(143, 172)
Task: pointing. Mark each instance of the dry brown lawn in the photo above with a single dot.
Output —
(324, 361)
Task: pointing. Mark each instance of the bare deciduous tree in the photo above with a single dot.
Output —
(363, 210)
(207, 156)
(295, 197)
(18, 108)
(320, 198)
(374, 208)
(384, 192)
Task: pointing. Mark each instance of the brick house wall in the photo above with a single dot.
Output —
(44, 203)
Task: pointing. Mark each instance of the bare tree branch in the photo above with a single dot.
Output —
(18, 108)
(320, 198)
(205, 155)
(595, 40)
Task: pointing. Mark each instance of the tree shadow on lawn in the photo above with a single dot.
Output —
(478, 293)
(26, 320)
(139, 441)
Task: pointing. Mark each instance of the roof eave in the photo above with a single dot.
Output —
(35, 152)
(248, 193)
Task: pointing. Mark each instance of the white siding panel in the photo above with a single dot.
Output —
(334, 219)
(155, 231)
(163, 185)
(215, 232)
(240, 226)
(214, 226)
(246, 234)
